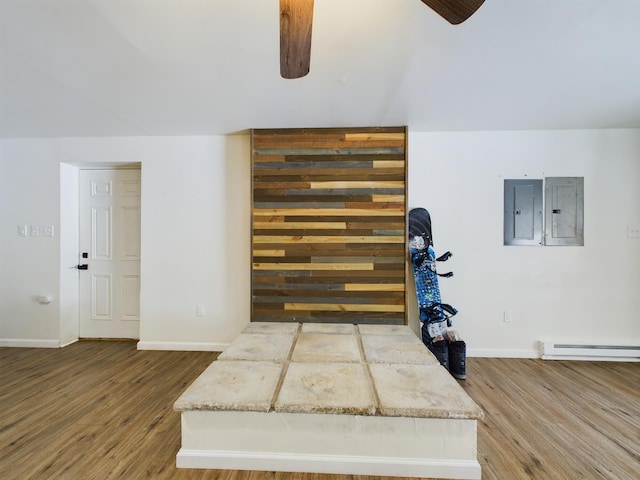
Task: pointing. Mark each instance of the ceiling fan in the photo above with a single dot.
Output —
(296, 19)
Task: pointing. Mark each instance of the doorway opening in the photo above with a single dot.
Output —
(99, 251)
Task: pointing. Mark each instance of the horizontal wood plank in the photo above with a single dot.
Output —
(269, 253)
(329, 212)
(374, 287)
(343, 307)
(357, 184)
(299, 225)
(320, 239)
(313, 266)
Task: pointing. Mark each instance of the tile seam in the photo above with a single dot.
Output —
(285, 368)
(365, 362)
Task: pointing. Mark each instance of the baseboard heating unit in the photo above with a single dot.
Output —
(583, 351)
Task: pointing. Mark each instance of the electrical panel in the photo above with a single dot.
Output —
(556, 219)
(564, 211)
(523, 212)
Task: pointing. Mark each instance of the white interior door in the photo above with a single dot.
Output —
(110, 249)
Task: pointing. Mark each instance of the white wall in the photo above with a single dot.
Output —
(585, 293)
(30, 268)
(196, 236)
(196, 224)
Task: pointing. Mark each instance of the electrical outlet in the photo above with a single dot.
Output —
(633, 231)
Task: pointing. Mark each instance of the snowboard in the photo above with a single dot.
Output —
(434, 315)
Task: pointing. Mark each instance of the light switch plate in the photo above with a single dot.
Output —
(46, 231)
(23, 230)
(33, 230)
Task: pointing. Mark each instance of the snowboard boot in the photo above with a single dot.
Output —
(458, 359)
(441, 351)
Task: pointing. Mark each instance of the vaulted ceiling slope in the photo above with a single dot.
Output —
(71, 68)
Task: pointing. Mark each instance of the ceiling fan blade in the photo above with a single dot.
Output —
(296, 19)
(454, 11)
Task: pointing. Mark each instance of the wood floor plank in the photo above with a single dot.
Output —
(103, 410)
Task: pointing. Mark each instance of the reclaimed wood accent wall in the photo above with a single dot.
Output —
(329, 225)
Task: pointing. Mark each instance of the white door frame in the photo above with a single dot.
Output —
(69, 232)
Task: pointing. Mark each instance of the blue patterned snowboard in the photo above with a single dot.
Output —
(423, 261)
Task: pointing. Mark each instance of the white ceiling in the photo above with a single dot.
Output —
(72, 68)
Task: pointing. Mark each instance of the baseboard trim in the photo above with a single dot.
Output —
(183, 346)
(329, 464)
(29, 343)
(503, 353)
(70, 342)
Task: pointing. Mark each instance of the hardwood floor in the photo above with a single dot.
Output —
(103, 410)
(559, 420)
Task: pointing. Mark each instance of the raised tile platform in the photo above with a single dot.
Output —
(329, 398)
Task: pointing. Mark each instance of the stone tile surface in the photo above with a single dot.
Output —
(421, 391)
(326, 388)
(319, 347)
(233, 385)
(274, 328)
(329, 368)
(259, 346)
(385, 330)
(335, 328)
(406, 349)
